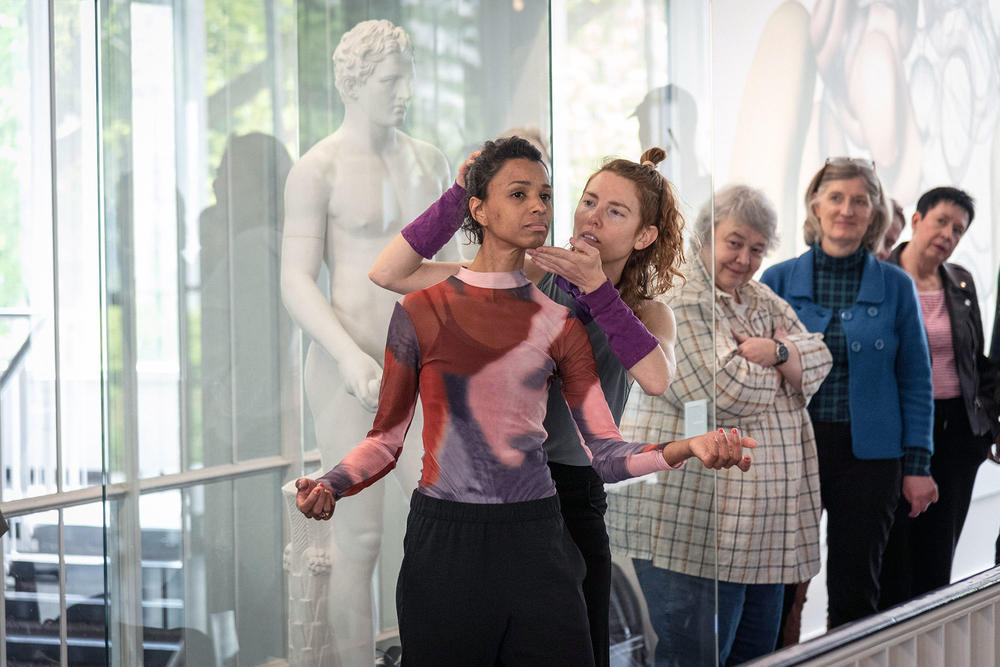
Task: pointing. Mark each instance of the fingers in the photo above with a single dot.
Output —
(739, 337)
(726, 450)
(460, 179)
(316, 503)
(581, 246)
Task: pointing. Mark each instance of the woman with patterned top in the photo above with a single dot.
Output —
(872, 415)
(489, 575)
(920, 552)
(754, 532)
(625, 250)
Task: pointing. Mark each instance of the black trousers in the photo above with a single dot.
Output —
(490, 584)
(860, 498)
(920, 552)
(583, 503)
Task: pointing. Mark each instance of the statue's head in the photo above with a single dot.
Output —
(373, 66)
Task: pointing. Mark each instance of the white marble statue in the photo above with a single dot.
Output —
(345, 199)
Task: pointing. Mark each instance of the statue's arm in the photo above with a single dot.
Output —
(307, 196)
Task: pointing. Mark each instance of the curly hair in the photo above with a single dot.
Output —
(490, 160)
(362, 48)
(650, 272)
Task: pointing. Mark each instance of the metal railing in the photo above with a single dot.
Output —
(955, 625)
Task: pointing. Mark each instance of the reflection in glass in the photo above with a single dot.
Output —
(347, 198)
(27, 309)
(31, 588)
(245, 333)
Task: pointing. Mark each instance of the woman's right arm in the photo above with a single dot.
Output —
(377, 454)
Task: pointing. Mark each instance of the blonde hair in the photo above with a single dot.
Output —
(812, 231)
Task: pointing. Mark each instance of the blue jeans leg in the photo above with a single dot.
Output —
(682, 612)
(749, 619)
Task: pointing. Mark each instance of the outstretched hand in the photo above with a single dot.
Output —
(314, 500)
(723, 449)
(581, 266)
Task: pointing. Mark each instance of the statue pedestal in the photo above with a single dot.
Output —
(307, 564)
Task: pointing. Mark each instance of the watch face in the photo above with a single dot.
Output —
(782, 352)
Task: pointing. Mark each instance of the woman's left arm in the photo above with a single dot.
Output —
(657, 370)
(809, 359)
(916, 400)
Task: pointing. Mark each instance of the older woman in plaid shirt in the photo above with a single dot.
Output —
(767, 367)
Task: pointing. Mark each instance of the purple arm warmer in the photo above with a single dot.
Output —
(628, 337)
(434, 227)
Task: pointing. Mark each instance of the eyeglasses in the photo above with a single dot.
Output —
(843, 161)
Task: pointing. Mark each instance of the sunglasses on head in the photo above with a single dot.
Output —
(841, 161)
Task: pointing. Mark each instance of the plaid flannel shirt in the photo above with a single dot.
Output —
(768, 517)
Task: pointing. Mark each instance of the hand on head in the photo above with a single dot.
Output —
(314, 500)
(460, 179)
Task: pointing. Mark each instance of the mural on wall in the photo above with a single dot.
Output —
(913, 85)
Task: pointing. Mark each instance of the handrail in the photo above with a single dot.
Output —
(15, 361)
(188, 478)
(835, 639)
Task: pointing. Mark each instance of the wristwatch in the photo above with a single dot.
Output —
(781, 352)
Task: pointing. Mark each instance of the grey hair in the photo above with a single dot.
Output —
(362, 48)
(812, 231)
(743, 203)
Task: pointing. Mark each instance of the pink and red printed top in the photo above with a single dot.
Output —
(480, 349)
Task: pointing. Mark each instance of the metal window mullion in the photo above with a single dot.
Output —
(63, 625)
(3, 607)
(54, 193)
(236, 563)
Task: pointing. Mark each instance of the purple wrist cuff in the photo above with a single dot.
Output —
(434, 227)
(628, 338)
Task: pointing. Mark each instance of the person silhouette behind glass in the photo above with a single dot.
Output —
(345, 199)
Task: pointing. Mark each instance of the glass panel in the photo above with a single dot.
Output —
(210, 556)
(27, 326)
(916, 91)
(83, 543)
(647, 87)
(78, 268)
(479, 69)
(31, 589)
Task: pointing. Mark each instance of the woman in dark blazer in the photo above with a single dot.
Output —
(872, 415)
(921, 550)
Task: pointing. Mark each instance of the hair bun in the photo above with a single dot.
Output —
(653, 156)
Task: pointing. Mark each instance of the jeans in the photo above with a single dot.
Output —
(682, 612)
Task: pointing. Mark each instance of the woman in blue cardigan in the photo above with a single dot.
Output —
(873, 414)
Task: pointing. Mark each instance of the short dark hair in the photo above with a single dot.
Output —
(492, 158)
(935, 196)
